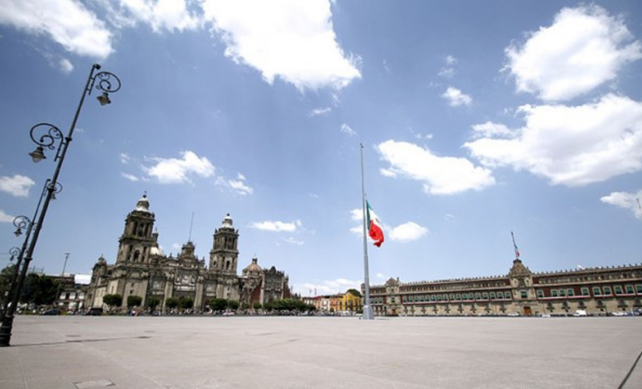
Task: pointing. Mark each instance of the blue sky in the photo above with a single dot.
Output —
(477, 119)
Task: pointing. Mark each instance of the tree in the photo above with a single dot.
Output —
(40, 290)
(218, 304)
(134, 301)
(113, 300)
(354, 292)
(185, 302)
(153, 302)
(171, 302)
(257, 305)
(5, 280)
(233, 305)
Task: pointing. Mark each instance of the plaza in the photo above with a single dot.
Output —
(322, 352)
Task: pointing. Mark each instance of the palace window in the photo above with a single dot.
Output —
(485, 296)
(524, 294)
(629, 289)
(562, 293)
(607, 290)
(438, 297)
(507, 295)
(477, 296)
(638, 287)
(554, 293)
(445, 297)
(585, 292)
(597, 291)
(618, 289)
(433, 298)
(492, 295)
(540, 294)
(470, 296)
(500, 295)
(416, 298)
(458, 296)
(570, 292)
(452, 297)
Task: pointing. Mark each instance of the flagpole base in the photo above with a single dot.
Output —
(367, 313)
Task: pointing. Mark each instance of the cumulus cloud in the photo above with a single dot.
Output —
(178, 171)
(67, 22)
(582, 49)
(290, 39)
(572, 146)
(17, 185)
(491, 130)
(456, 98)
(440, 175)
(5, 218)
(238, 185)
(65, 65)
(160, 14)
(407, 232)
(628, 201)
(346, 129)
(448, 71)
(277, 226)
(130, 177)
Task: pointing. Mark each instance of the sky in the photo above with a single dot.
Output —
(477, 119)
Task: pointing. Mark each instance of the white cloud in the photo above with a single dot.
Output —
(276, 226)
(629, 201)
(290, 39)
(177, 171)
(381, 276)
(239, 185)
(490, 130)
(320, 111)
(582, 49)
(293, 241)
(346, 129)
(448, 71)
(130, 177)
(66, 66)
(440, 175)
(455, 98)
(340, 285)
(83, 279)
(5, 218)
(124, 158)
(408, 232)
(572, 146)
(17, 185)
(68, 22)
(160, 14)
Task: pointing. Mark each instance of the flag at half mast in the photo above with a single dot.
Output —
(515, 245)
(374, 227)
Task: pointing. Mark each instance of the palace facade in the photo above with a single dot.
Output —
(597, 291)
(142, 269)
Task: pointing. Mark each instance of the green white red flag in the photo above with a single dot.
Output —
(374, 227)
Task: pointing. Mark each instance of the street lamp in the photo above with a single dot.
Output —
(20, 222)
(106, 82)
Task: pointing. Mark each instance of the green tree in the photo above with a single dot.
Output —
(257, 305)
(233, 305)
(153, 302)
(5, 280)
(40, 290)
(245, 305)
(171, 303)
(185, 302)
(218, 304)
(134, 301)
(354, 292)
(113, 300)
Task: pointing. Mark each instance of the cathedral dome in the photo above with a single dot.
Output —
(155, 250)
(253, 267)
(143, 204)
(227, 222)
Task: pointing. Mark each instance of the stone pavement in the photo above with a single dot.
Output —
(84, 352)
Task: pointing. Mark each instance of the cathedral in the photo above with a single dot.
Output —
(142, 269)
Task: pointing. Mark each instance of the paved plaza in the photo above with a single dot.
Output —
(321, 352)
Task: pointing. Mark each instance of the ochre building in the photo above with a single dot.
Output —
(597, 291)
(143, 270)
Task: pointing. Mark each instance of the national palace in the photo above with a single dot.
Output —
(597, 291)
(142, 269)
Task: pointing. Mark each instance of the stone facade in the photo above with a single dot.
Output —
(598, 291)
(143, 270)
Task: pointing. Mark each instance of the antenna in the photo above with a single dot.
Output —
(191, 224)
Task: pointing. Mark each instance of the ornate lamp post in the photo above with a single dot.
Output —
(104, 81)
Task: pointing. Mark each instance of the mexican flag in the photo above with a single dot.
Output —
(374, 227)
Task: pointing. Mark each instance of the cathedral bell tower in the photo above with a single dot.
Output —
(224, 255)
(138, 237)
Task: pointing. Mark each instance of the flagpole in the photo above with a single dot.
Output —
(367, 309)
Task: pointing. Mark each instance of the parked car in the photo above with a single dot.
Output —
(95, 312)
(580, 313)
(52, 312)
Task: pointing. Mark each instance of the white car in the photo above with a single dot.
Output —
(580, 312)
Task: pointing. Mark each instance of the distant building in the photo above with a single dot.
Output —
(598, 291)
(143, 270)
(70, 295)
